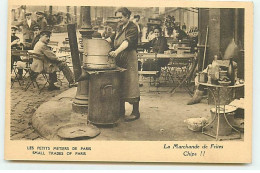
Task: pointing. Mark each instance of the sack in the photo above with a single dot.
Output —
(196, 124)
(231, 51)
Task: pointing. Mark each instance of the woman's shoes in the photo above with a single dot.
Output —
(132, 117)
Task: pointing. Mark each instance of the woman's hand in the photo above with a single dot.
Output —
(122, 47)
(113, 54)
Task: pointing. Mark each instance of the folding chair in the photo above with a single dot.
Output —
(178, 68)
(16, 78)
(23, 54)
(34, 76)
(149, 68)
(151, 74)
(166, 74)
(185, 80)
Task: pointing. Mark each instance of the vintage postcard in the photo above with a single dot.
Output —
(129, 81)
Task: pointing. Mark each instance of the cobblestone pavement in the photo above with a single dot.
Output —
(24, 104)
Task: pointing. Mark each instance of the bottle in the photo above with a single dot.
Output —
(231, 72)
(215, 70)
(209, 73)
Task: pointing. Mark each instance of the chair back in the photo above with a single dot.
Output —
(19, 52)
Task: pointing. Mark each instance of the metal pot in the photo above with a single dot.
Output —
(96, 55)
(226, 119)
(202, 77)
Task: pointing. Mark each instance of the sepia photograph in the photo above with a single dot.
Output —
(81, 74)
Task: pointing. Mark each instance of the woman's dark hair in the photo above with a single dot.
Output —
(124, 11)
(159, 28)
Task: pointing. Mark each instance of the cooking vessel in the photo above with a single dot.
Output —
(96, 55)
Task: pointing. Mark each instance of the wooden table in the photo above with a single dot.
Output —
(163, 56)
(176, 61)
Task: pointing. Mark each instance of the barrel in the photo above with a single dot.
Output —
(104, 97)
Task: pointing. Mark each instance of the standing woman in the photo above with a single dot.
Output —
(125, 44)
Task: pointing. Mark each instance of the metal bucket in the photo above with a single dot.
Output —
(202, 77)
(224, 127)
(96, 55)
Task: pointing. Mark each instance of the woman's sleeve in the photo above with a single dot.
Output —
(148, 45)
(132, 35)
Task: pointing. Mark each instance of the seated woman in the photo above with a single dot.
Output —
(159, 45)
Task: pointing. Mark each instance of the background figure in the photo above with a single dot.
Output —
(183, 27)
(107, 33)
(159, 45)
(16, 45)
(159, 42)
(144, 34)
(27, 26)
(96, 34)
(21, 13)
(36, 33)
(150, 36)
(41, 21)
(181, 34)
(136, 22)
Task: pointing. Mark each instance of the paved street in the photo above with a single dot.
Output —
(24, 104)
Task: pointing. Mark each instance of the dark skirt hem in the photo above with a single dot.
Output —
(131, 100)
